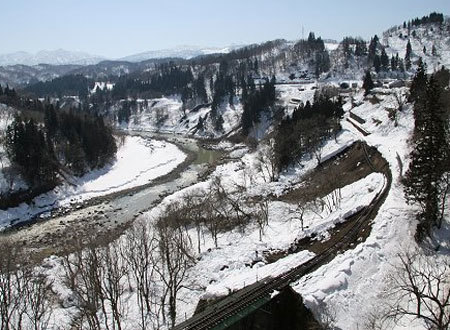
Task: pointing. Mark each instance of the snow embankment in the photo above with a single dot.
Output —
(138, 162)
(352, 284)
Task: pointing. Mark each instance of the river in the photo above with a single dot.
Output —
(103, 218)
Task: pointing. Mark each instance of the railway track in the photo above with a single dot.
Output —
(215, 315)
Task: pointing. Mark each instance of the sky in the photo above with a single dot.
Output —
(114, 29)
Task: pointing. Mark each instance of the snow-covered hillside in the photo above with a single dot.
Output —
(429, 41)
(165, 115)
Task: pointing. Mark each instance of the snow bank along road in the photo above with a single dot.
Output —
(104, 217)
(219, 313)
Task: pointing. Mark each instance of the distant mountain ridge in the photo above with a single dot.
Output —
(184, 52)
(65, 57)
(54, 57)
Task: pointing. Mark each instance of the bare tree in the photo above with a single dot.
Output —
(193, 208)
(400, 101)
(213, 218)
(37, 294)
(400, 165)
(376, 320)
(139, 251)
(24, 293)
(302, 207)
(421, 289)
(113, 284)
(262, 215)
(231, 207)
(248, 178)
(332, 201)
(12, 289)
(83, 273)
(266, 161)
(174, 260)
(444, 190)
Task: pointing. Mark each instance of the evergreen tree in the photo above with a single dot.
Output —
(408, 56)
(322, 62)
(373, 48)
(360, 48)
(377, 63)
(368, 84)
(393, 63)
(384, 60)
(200, 124)
(307, 129)
(429, 159)
(401, 66)
(218, 125)
(433, 50)
(51, 121)
(418, 84)
(244, 92)
(256, 102)
(200, 89)
(28, 148)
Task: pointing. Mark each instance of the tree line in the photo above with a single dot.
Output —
(74, 85)
(168, 79)
(432, 18)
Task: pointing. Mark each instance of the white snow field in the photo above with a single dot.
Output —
(138, 161)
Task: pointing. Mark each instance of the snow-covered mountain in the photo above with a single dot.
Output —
(185, 52)
(55, 57)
